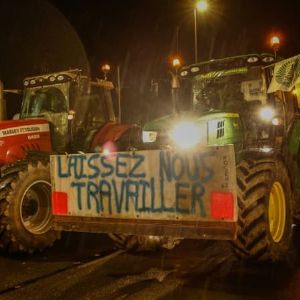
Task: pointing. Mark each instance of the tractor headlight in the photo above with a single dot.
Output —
(267, 113)
(149, 136)
(186, 134)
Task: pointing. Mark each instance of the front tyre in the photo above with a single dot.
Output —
(265, 210)
(27, 216)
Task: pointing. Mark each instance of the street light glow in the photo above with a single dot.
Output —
(201, 5)
(176, 62)
(105, 68)
(275, 40)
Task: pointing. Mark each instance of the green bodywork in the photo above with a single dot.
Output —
(228, 113)
(293, 150)
(217, 100)
(221, 127)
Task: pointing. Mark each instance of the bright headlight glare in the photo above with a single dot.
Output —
(266, 113)
(149, 136)
(186, 134)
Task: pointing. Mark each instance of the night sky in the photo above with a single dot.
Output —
(138, 35)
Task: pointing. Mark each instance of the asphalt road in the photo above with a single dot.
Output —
(87, 266)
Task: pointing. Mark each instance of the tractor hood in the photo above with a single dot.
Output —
(18, 137)
(212, 128)
(16, 125)
(167, 122)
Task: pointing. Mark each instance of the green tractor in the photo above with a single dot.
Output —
(230, 101)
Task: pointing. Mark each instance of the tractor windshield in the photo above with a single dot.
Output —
(228, 89)
(41, 100)
(50, 103)
(94, 108)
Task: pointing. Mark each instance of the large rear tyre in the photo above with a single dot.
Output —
(265, 210)
(26, 218)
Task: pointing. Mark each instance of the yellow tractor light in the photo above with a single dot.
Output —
(149, 136)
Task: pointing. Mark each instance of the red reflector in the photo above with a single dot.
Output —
(59, 203)
(222, 205)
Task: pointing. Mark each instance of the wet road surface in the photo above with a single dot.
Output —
(87, 266)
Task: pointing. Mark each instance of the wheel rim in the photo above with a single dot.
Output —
(35, 209)
(277, 212)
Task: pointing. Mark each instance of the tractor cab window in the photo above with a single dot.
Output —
(93, 108)
(39, 101)
(97, 113)
(49, 103)
(228, 90)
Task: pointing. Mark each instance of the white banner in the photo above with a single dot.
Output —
(286, 75)
(156, 184)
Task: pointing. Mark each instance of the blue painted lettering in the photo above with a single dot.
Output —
(93, 195)
(178, 166)
(197, 193)
(106, 164)
(139, 159)
(121, 164)
(118, 196)
(92, 166)
(78, 186)
(181, 194)
(132, 194)
(105, 192)
(165, 170)
(61, 174)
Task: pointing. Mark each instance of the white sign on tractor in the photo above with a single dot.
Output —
(156, 185)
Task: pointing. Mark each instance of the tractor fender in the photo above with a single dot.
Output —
(15, 153)
(21, 151)
(276, 154)
(256, 153)
(20, 136)
(112, 132)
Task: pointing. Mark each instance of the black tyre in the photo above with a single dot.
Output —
(137, 243)
(265, 210)
(125, 242)
(26, 217)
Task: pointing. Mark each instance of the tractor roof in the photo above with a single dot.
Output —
(51, 78)
(249, 60)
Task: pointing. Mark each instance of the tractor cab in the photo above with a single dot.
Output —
(74, 106)
(227, 103)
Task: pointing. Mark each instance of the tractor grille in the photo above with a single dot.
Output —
(220, 129)
(30, 147)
